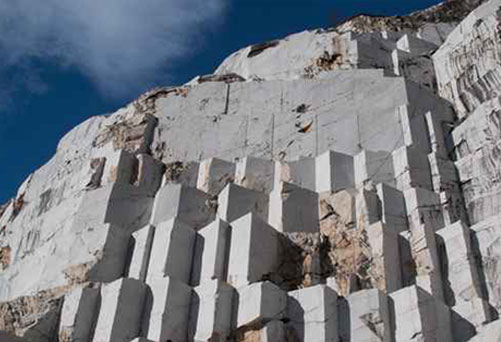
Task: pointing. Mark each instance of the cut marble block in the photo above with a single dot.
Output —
(376, 167)
(255, 174)
(331, 282)
(211, 311)
(140, 170)
(436, 134)
(253, 251)
(235, 201)
(385, 257)
(415, 45)
(259, 303)
(115, 245)
(393, 211)
(293, 209)
(420, 317)
(369, 316)
(333, 172)
(423, 208)
(120, 204)
(444, 173)
(188, 204)
(172, 251)
(143, 239)
(313, 314)
(214, 174)
(298, 172)
(118, 167)
(463, 287)
(167, 310)
(149, 173)
(212, 247)
(79, 313)
(121, 310)
(425, 218)
(414, 129)
(368, 207)
(411, 168)
(446, 183)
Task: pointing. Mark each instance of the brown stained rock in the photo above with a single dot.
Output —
(18, 205)
(146, 103)
(304, 260)
(5, 257)
(445, 12)
(336, 210)
(253, 333)
(113, 173)
(133, 134)
(349, 250)
(175, 170)
(65, 334)
(349, 258)
(341, 250)
(33, 317)
(248, 335)
(77, 274)
(326, 62)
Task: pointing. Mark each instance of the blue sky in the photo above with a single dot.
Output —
(60, 64)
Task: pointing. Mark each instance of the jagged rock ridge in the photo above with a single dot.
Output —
(335, 185)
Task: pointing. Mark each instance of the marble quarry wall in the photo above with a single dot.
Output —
(335, 185)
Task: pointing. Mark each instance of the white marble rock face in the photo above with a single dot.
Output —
(121, 310)
(336, 184)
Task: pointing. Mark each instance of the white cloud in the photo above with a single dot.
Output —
(119, 44)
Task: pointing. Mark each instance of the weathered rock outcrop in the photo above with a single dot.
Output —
(335, 185)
